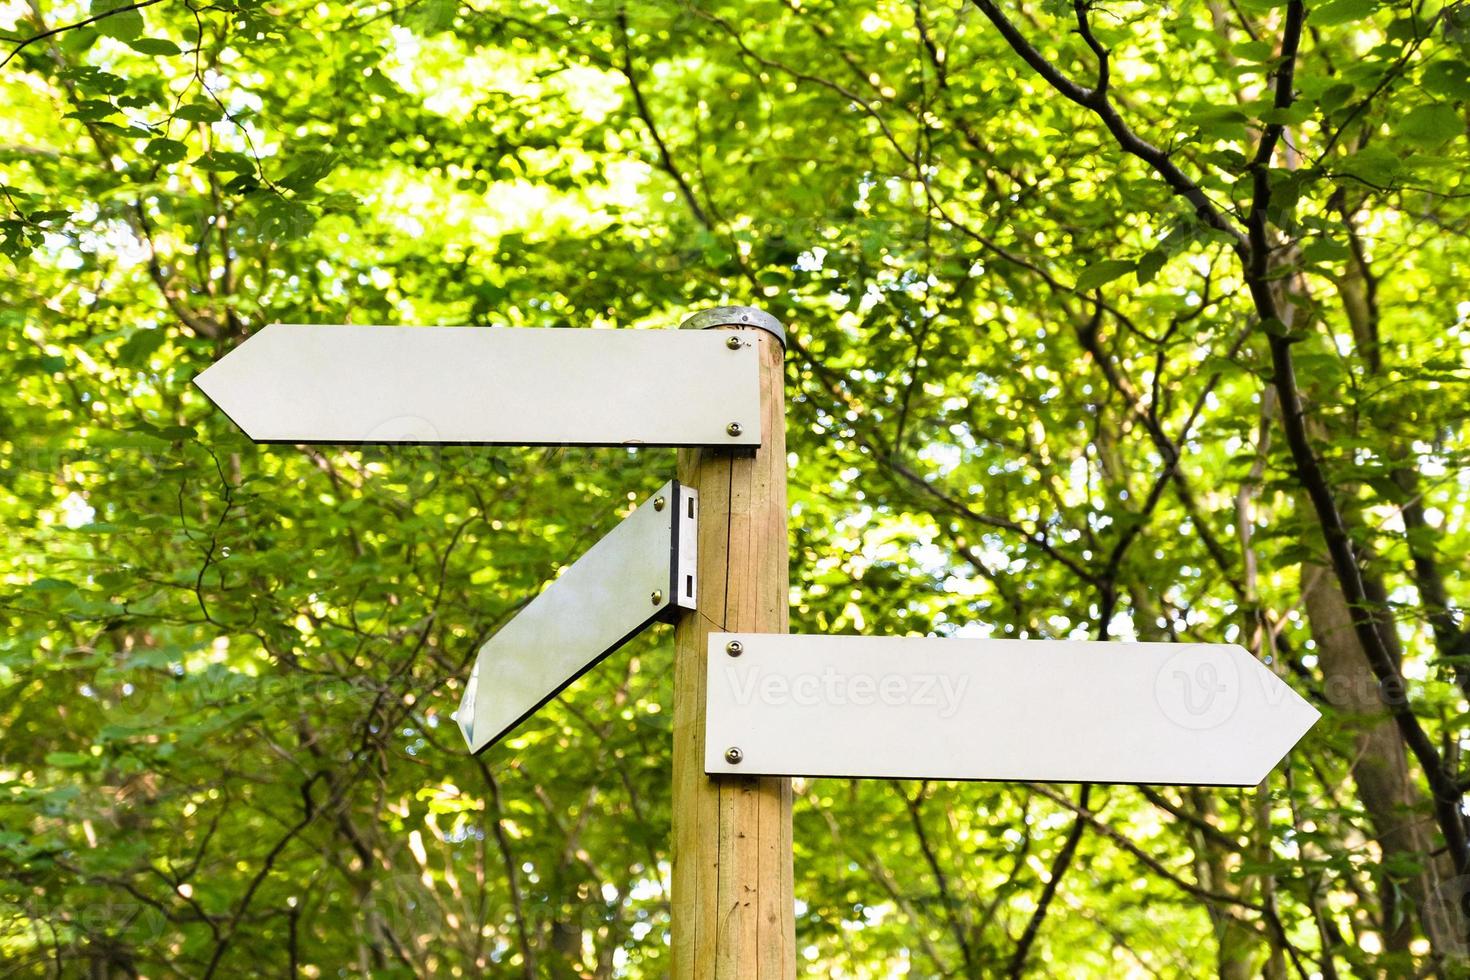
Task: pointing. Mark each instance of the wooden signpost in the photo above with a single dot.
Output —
(752, 704)
(733, 906)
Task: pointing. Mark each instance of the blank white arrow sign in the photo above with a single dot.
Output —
(1023, 710)
(640, 571)
(490, 385)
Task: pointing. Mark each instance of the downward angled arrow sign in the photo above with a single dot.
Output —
(639, 572)
(1026, 710)
(490, 385)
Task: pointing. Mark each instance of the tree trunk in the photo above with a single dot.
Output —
(1399, 813)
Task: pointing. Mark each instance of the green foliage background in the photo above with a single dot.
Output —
(1035, 389)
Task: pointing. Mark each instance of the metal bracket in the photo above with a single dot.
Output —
(735, 316)
(685, 587)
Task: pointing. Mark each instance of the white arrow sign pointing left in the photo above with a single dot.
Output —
(491, 386)
(640, 571)
(1024, 710)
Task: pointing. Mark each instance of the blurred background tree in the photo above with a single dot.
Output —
(1107, 320)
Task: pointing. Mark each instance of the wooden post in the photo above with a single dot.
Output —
(733, 903)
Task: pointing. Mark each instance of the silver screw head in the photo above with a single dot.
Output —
(734, 648)
(732, 342)
(734, 428)
(657, 597)
(733, 755)
(658, 503)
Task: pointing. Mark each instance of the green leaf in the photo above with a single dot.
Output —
(1319, 370)
(145, 428)
(309, 169)
(1457, 24)
(1101, 273)
(137, 348)
(1292, 115)
(46, 584)
(199, 112)
(1218, 121)
(1150, 264)
(92, 109)
(1335, 96)
(1431, 125)
(68, 760)
(1448, 78)
(1323, 250)
(166, 150)
(225, 161)
(16, 238)
(120, 23)
(92, 80)
(1257, 51)
(243, 184)
(430, 17)
(1375, 164)
(1340, 12)
(96, 527)
(280, 218)
(159, 46)
(78, 41)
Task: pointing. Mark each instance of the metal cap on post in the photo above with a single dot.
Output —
(736, 316)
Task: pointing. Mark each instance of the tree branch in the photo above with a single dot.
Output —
(1096, 99)
(52, 32)
(644, 113)
(1059, 868)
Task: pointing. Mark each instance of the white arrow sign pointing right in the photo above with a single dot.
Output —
(1024, 710)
